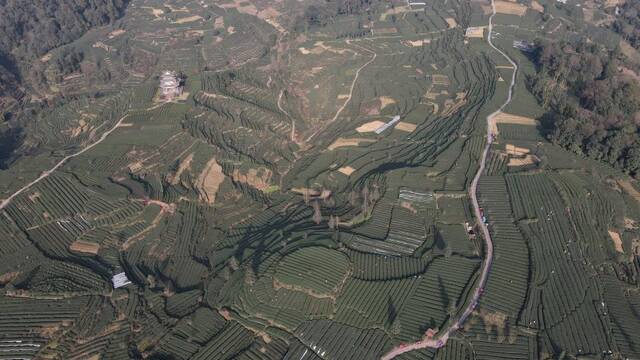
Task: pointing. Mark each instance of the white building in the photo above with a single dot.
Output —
(170, 86)
(120, 280)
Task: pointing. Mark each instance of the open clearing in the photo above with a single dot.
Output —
(617, 240)
(475, 32)
(526, 160)
(85, 247)
(344, 142)
(347, 170)
(511, 8)
(209, 181)
(188, 19)
(504, 118)
(370, 126)
(405, 126)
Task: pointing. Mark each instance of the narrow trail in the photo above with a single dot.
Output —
(353, 85)
(441, 340)
(293, 122)
(46, 173)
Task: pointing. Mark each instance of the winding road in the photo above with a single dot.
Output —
(442, 339)
(46, 173)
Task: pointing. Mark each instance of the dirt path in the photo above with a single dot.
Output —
(353, 85)
(46, 173)
(441, 340)
(293, 122)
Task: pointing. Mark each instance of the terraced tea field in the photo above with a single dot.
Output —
(333, 182)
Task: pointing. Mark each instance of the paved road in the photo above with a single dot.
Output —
(442, 339)
(46, 173)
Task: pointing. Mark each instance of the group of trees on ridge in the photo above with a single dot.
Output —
(29, 29)
(593, 107)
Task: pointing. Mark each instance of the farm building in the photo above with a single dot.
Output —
(170, 85)
(120, 280)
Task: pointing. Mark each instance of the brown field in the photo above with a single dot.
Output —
(370, 126)
(536, 6)
(438, 79)
(209, 181)
(218, 23)
(527, 160)
(405, 126)
(347, 170)
(116, 33)
(515, 150)
(504, 118)
(507, 7)
(626, 185)
(257, 178)
(155, 12)
(416, 43)
(188, 19)
(385, 100)
(451, 22)
(617, 240)
(343, 142)
(85, 247)
(475, 32)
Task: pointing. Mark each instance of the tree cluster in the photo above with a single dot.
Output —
(29, 29)
(593, 108)
(627, 22)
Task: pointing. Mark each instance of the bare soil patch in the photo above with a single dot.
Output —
(370, 126)
(209, 181)
(85, 247)
(218, 23)
(515, 150)
(511, 8)
(116, 33)
(385, 100)
(617, 240)
(188, 19)
(405, 126)
(626, 185)
(536, 6)
(439, 79)
(155, 12)
(347, 170)
(526, 160)
(416, 43)
(344, 142)
(451, 22)
(475, 32)
(504, 118)
(257, 178)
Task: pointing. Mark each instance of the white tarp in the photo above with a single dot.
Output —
(120, 280)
